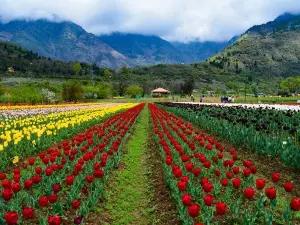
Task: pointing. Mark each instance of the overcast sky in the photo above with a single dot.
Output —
(174, 20)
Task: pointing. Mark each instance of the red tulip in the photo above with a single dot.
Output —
(253, 169)
(182, 185)
(52, 198)
(249, 193)
(194, 210)
(208, 200)
(236, 182)
(260, 183)
(16, 187)
(75, 204)
(247, 172)
(2, 176)
(17, 171)
(28, 184)
(275, 177)
(220, 155)
(84, 190)
(208, 147)
(28, 212)
(189, 166)
(295, 204)
(204, 180)
(207, 164)
(229, 175)
(99, 173)
(48, 171)
(186, 199)
(169, 160)
(185, 179)
(70, 180)
(197, 172)
(17, 177)
(224, 182)
(56, 188)
(221, 208)
(247, 163)
(6, 184)
(185, 158)
(31, 161)
(36, 179)
(178, 173)
(288, 186)
(7, 194)
(270, 193)
(217, 173)
(43, 201)
(38, 170)
(89, 179)
(54, 220)
(207, 187)
(45, 161)
(11, 218)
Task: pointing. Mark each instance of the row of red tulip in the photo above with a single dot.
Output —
(68, 176)
(202, 173)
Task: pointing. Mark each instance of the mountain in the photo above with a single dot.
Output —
(200, 51)
(16, 61)
(63, 40)
(271, 49)
(143, 49)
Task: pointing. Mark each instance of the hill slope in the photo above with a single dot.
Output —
(16, 61)
(64, 41)
(271, 49)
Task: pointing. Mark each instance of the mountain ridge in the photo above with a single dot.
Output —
(270, 49)
(67, 41)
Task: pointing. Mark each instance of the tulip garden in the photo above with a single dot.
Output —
(57, 163)
(211, 184)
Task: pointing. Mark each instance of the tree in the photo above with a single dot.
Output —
(134, 90)
(107, 74)
(72, 91)
(188, 86)
(76, 68)
(104, 90)
(291, 84)
(234, 86)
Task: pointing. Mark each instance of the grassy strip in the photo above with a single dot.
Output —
(129, 197)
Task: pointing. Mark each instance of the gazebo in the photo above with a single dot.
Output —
(160, 92)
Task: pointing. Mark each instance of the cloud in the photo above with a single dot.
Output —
(175, 20)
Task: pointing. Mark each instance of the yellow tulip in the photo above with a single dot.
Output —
(15, 160)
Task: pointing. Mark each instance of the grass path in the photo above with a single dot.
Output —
(130, 193)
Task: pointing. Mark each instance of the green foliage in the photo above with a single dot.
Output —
(23, 94)
(107, 74)
(134, 90)
(291, 84)
(76, 68)
(188, 86)
(29, 64)
(234, 86)
(104, 90)
(72, 91)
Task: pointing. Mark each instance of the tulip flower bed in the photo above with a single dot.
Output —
(24, 136)
(211, 185)
(269, 132)
(63, 183)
